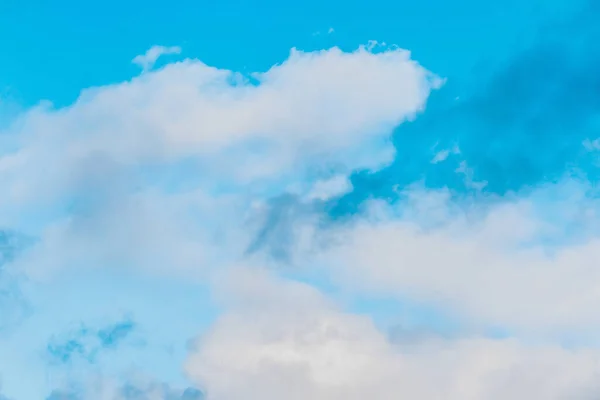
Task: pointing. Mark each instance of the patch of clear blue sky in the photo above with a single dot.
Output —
(519, 121)
(53, 49)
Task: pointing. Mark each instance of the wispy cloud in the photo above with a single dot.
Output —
(87, 343)
(135, 390)
(147, 60)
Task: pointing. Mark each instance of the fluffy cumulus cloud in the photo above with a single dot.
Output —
(247, 223)
(284, 339)
(306, 112)
(115, 154)
(505, 264)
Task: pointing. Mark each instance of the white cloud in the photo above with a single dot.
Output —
(326, 189)
(285, 340)
(147, 231)
(105, 155)
(325, 107)
(491, 264)
(442, 155)
(147, 60)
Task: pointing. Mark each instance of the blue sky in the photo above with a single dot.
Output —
(327, 200)
(63, 47)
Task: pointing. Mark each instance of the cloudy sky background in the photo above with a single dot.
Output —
(333, 200)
